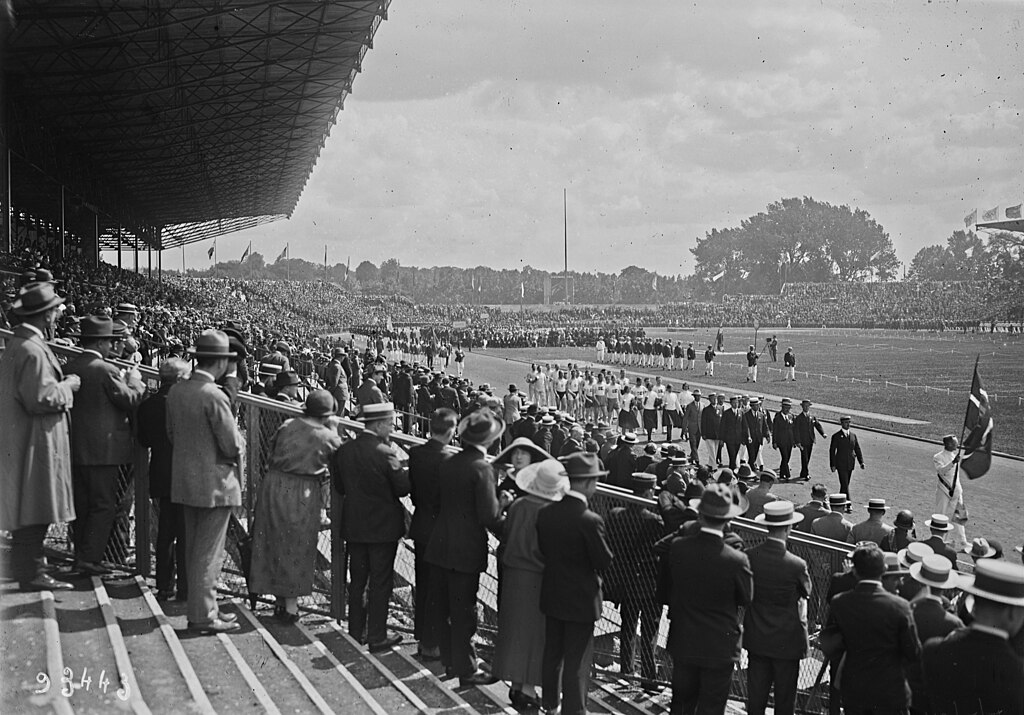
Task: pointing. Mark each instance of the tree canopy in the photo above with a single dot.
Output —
(795, 240)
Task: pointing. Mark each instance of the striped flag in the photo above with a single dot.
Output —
(971, 218)
(977, 449)
(1013, 211)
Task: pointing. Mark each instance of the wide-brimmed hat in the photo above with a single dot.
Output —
(979, 549)
(377, 411)
(212, 344)
(876, 504)
(893, 567)
(996, 580)
(935, 571)
(915, 553)
(628, 437)
(642, 480)
(287, 378)
(536, 453)
(779, 513)
(97, 327)
(35, 298)
(722, 502)
(481, 427)
(836, 501)
(786, 402)
(744, 471)
(320, 403)
(546, 479)
(939, 522)
(768, 475)
(127, 308)
(755, 401)
(547, 420)
(583, 465)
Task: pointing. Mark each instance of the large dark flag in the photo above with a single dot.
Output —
(977, 450)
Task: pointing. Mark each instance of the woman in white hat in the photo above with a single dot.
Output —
(520, 643)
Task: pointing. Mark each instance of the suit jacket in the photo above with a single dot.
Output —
(524, 427)
(369, 393)
(730, 429)
(833, 526)
(775, 624)
(368, 473)
(811, 511)
(101, 433)
(710, 419)
(207, 444)
(844, 452)
(783, 434)
(621, 464)
(402, 389)
(880, 639)
(868, 530)
(691, 418)
(941, 548)
(469, 506)
(804, 427)
(633, 573)
(151, 424)
(572, 540)
(758, 497)
(543, 437)
(756, 427)
(706, 627)
(425, 484)
(970, 671)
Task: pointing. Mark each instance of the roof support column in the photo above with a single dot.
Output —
(63, 224)
(149, 250)
(119, 247)
(137, 232)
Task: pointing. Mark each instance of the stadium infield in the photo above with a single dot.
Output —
(916, 377)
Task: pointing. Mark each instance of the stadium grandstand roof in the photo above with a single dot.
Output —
(185, 119)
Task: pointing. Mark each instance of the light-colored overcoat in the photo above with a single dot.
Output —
(35, 445)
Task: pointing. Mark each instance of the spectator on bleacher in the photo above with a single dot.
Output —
(101, 442)
(519, 650)
(833, 525)
(761, 495)
(205, 475)
(902, 533)
(814, 508)
(286, 524)
(151, 425)
(937, 579)
(35, 459)
(775, 624)
(939, 526)
(873, 528)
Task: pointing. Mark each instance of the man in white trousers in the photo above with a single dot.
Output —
(949, 490)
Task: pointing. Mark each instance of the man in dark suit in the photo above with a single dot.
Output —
(707, 583)
(730, 431)
(572, 541)
(691, 425)
(804, 426)
(336, 379)
(939, 526)
(402, 393)
(817, 506)
(458, 547)
(756, 430)
(937, 579)
(710, 419)
(974, 669)
(101, 439)
(783, 437)
(843, 454)
(425, 483)
(369, 474)
(877, 633)
(621, 462)
(775, 625)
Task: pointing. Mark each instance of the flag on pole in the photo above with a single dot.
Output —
(522, 289)
(991, 215)
(971, 218)
(654, 282)
(472, 282)
(284, 254)
(1013, 211)
(245, 255)
(211, 250)
(718, 276)
(325, 255)
(977, 450)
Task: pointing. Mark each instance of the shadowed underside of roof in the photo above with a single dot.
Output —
(193, 117)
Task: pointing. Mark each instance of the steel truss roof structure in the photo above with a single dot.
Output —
(180, 119)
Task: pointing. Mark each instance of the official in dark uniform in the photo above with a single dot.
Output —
(756, 430)
(843, 455)
(784, 437)
(804, 426)
(730, 431)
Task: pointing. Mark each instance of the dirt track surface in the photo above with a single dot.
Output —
(898, 469)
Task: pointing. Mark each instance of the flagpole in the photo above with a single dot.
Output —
(963, 430)
(565, 237)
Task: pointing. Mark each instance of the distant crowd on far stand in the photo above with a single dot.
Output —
(530, 462)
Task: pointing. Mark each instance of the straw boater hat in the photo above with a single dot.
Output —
(779, 513)
(996, 580)
(36, 298)
(320, 403)
(628, 437)
(915, 553)
(980, 549)
(876, 505)
(377, 411)
(722, 502)
(935, 571)
(545, 479)
(480, 428)
(939, 522)
(837, 501)
(212, 344)
(536, 453)
(547, 420)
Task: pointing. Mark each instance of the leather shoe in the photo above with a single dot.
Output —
(386, 644)
(477, 678)
(522, 701)
(162, 596)
(45, 582)
(91, 568)
(429, 654)
(227, 617)
(215, 626)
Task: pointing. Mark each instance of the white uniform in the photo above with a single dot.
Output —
(600, 350)
(945, 468)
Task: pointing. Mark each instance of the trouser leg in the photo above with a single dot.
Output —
(358, 576)
(27, 552)
(422, 631)
(551, 662)
(786, 673)
(164, 546)
(650, 619)
(759, 683)
(579, 651)
(462, 588)
(753, 449)
(714, 690)
(205, 531)
(785, 453)
(95, 508)
(733, 450)
(805, 461)
(379, 588)
(629, 615)
(844, 482)
(694, 447)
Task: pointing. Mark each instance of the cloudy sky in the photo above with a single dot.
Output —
(663, 119)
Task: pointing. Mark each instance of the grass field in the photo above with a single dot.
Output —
(904, 375)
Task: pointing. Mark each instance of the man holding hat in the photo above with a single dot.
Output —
(872, 528)
(35, 459)
(704, 635)
(369, 473)
(571, 539)
(949, 490)
(775, 624)
(101, 439)
(804, 426)
(457, 550)
(974, 669)
(842, 451)
(205, 474)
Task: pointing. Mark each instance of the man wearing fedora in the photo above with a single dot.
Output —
(205, 474)
(572, 541)
(369, 474)
(975, 669)
(457, 550)
(843, 455)
(936, 579)
(775, 624)
(873, 677)
(35, 456)
(872, 528)
(704, 635)
(101, 439)
(940, 526)
(804, 427)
